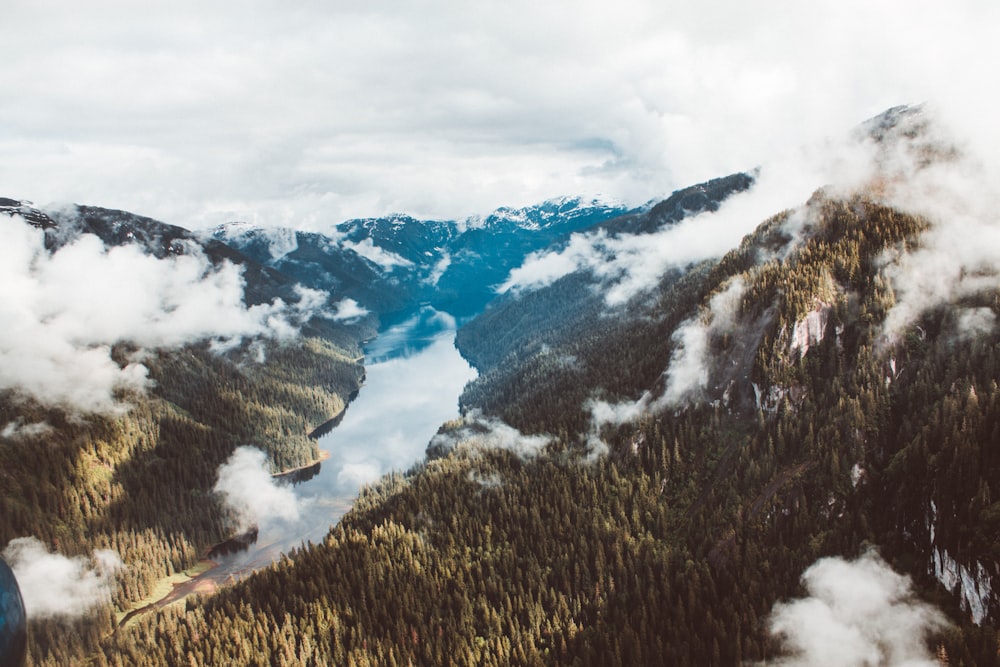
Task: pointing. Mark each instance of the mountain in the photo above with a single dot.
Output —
(117, 228)
(149, 356)
(391, 265)
(515, 329)
(315, 261)
(709, 435)
(660, 444)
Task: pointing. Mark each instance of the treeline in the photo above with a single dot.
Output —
(674, 546)
(141, 484)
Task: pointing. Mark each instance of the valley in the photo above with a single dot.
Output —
(565, 434)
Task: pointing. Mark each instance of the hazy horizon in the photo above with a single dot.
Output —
(306, 116)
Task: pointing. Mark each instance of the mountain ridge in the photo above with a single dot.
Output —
(645, 467)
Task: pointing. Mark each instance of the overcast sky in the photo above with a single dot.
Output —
(307, 113)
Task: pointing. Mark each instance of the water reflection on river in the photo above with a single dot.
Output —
(414, 376)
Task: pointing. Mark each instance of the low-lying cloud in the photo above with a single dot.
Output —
(385, 259)
(858, 613)
(251, 493)
(54, 585)
(958, 256)
(18, 430)
(348, 310)
(64, 310)
(479, 432)
(630, 264)
(974, 322)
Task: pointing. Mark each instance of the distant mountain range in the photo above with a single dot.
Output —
(390, 264)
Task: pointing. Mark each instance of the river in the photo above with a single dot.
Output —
(414, 376)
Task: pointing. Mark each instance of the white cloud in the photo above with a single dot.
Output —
(17, 430)
(858, 613)
(439, 270)
(54, 585)
(357, 474)
(249, 491)
(976, 321)
(348, 310)
(687, 373)
(198, 115)
(281, 241)
(478, 432)
(631, 264)
(688, 369)
(386, 259)
(62, 312)
(959, 254)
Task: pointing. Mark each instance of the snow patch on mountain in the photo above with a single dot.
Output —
(975, 586)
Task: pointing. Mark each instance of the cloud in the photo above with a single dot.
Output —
(281, 241)
(17, 430)
(439, 270)
(64, 310)
(858, 613)
(54, 585)
(687, 373)
(974, 322)
(631, 264)
(355, 475)
(348, 310)
(958, 256)
(197, 115)
(386, 259)
(249, 491)
(478, 432)
(492, 480)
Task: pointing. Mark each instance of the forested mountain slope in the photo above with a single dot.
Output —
(690, 454)
(527, 344)
(132, 472)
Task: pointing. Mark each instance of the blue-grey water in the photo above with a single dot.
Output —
(414, 376)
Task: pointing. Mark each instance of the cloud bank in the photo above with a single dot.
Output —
(631, 264)
(858, 613)
(54, 585)
(958, 256)
(197, 115)
(64, 310)
(249, 491)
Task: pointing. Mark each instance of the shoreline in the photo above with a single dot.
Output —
(171, 589)
(203, 578)
(323, 456)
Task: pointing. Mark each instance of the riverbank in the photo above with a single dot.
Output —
(169, 590)
(324, 455)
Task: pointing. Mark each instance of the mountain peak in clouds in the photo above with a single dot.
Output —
(882, 125)
(32, 215)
